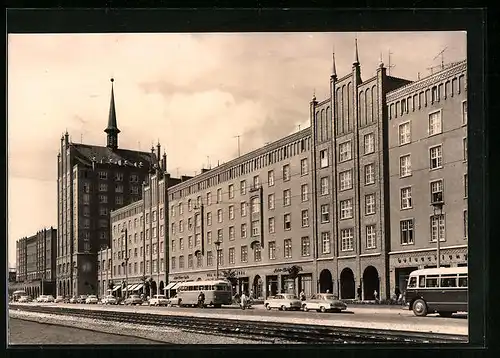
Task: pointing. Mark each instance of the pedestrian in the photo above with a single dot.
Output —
(201, 299)
(302, 295)
(375, 295)
(251, 294)
(243, 300)
(359, 293)
(327, 291)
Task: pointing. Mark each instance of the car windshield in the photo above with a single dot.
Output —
(329, 297)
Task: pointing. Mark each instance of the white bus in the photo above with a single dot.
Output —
(442, 290)
(217, 293)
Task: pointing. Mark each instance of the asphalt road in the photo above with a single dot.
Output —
(33, 333)
(383, 315)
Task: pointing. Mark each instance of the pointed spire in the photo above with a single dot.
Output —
(380, 61)
(314, 95)
(112, 129)
(334, 68)
(356, 56)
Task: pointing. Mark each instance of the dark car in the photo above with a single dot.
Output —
(81, 299)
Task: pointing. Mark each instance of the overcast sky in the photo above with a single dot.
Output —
(194, 93)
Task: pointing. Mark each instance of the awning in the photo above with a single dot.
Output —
(170, 285)
(138, 287)
(129, 287)
(176, 285)
(116, 288)
(133, 286)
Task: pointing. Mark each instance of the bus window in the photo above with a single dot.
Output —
(462, 281)
(450, 281)
(421, 281)
(207, 287)
(431, 281)
(220, 288)
(413, 282)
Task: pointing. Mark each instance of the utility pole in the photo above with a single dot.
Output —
(238, 136)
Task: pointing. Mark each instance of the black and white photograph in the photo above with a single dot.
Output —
(237, 188)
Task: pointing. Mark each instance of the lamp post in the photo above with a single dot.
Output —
(438, 212)
(217, 245)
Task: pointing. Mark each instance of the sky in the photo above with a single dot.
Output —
(192, 92)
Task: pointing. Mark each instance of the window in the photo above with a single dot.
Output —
(272, 250)
(243, 187)
(243, 231)
(466, 224)
(255, 227)
(190, 224)
(288, 248)
(369, 204)
(220, 257)
(371, 242)
(198, 202)
(436, 157)
(190, 242)
(306, 246)
(437, 191)
(345, 151)
(181, 226)
(231, 255)
(270, 177)
(369, 143)
(404, 133)
(199, 260)
(209, 198)
(257, 253)
(323, 158)
(210, 258)
(286, 172)
(465, 149)
(231, 191)
(181, 209)
(325, 185)
(220, 235)
(325, 213)
(231, 212)
(134, 190)
(255, 205)
(346, 239)
(86, 198)
(86, 187)
(197, 239)
(406, 198)
(346, 209)
(231, 233)
(466, 184)
(305, 218)
(181, 244)
(405, 165)
(209, 219)
(287, 222)
(209, 238)
(369, 174)
(270, 201)
(345, 180)
(286, 197)
(181, 263)
(256, 182)
(219, 195)
(119, 188)
(325, 242)
(190, 205)
(103, 199)
(220, 215)
(103, 175)
(437, 228)
(243, 208)
(244, 253)
(271, 224)
(304, 168)
(173, 228)
(407, 235)
(304, 189)
(435, 123)
(464, 112)
(173, 263)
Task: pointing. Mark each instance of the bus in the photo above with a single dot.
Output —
(437, 290)
(217, 293)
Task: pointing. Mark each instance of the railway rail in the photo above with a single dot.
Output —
(268, 331)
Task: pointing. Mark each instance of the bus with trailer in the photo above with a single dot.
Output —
(437, 290)
(217, 293)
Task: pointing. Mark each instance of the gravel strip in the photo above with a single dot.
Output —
(161, 335)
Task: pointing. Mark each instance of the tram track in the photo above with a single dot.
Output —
(276, 332)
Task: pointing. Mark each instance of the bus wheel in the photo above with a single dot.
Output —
(420, 308)
(445, 313)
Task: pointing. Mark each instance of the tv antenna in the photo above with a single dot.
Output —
(389, 64)
(442, 57)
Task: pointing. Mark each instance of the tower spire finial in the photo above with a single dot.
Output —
(334, 68)
(356, 56)
(112, 129)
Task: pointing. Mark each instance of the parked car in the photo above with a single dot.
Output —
(59, 299)
(73, 299)
(49, 298)
(81, 299)
(92, 299)
(109, 300)
(134, 300)
(24, 299)
(323, 302)
(158, 300)
(283, 301)
(173, 301)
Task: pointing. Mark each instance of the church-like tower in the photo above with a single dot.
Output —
(112, 129)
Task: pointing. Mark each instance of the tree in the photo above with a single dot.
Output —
(230, 275)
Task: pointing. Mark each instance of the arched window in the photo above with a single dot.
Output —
(328, 120)
(368, 106)
(362, 108)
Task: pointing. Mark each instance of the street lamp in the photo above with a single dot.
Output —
(217, 244)
(438, 211)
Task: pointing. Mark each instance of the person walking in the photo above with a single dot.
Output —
(243, 300)
(302, 295)
(375, 295)
(201, 299)
(359, 293)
